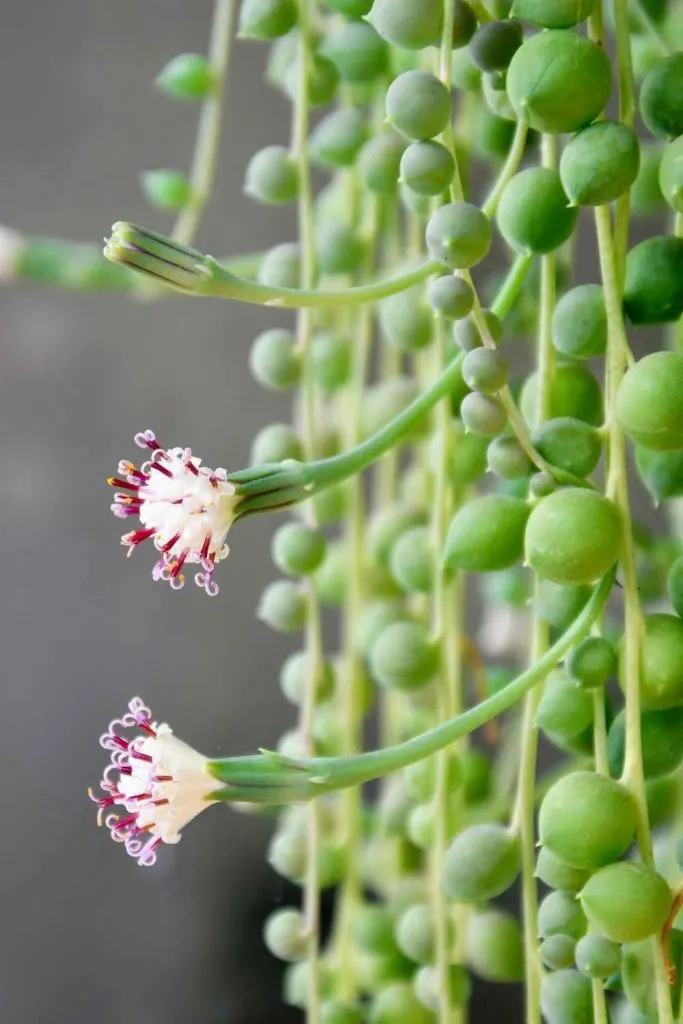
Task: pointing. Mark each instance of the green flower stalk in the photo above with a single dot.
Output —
(270, 777)
(189, 271)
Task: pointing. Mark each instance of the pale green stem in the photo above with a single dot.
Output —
(524, 812)
(351, 699)
(617, 490)
(446, 633)
(446, 611)
(509, 168)
(205, 160)
(678, 225)
(445, 71)
(272, 778)
(314, 639)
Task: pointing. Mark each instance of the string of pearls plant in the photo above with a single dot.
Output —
(505, 419)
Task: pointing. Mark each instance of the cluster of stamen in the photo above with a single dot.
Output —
(184, 508)
(153, 785)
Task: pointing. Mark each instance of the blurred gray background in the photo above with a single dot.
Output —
(86, 935)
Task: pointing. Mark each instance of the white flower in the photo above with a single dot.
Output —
(184, 507)
(160, 783)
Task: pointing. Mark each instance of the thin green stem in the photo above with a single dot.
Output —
(509, 168)
(314, 638)
(205, 160)
(446, 628)
(512, 285)
(526, 786)
(351, 698)
(617, 489)
(303, 778)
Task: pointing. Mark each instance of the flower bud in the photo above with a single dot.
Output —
(267, 19)
(282, 607)
(560, 81)
(486, 534)
(186, 77)
(587, 820)
(627, 901)
(481, 863)
(573, 536)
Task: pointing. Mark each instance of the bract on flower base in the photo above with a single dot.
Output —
(159, 781)
(184, 507)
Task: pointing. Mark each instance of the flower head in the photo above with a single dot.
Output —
(160, 783)
(185, 508)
